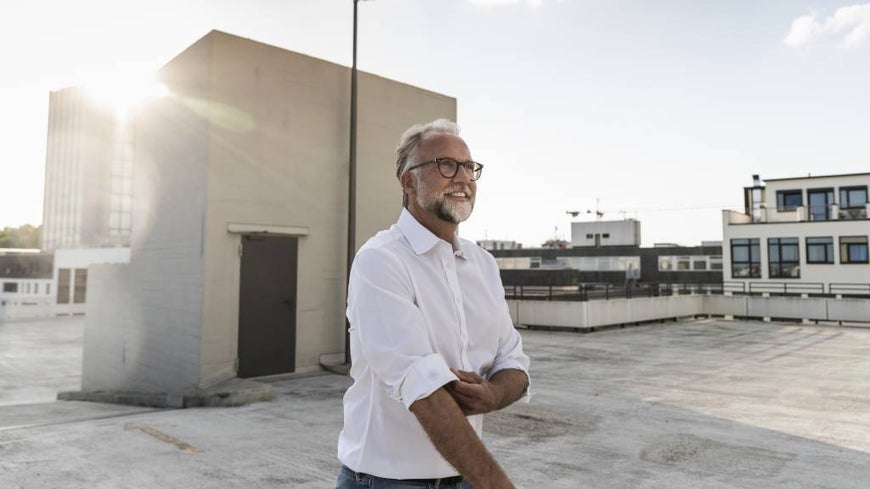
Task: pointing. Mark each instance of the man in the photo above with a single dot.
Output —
(432, 344)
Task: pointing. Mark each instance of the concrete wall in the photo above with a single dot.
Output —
(250, 135)
(143, 326)
(592, 314)
(600, 313)
(287, 166)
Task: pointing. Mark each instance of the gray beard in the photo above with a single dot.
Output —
(446, 211)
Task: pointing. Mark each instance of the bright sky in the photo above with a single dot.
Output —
(660, 110)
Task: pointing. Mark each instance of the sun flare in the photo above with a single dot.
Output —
(124, 92)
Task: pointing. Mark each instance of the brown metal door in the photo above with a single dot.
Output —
(267, 306)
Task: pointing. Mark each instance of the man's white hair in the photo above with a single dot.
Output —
(406, 152)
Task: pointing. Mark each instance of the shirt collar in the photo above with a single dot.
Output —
(420, 238)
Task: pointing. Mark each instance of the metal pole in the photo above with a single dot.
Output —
(351, 190)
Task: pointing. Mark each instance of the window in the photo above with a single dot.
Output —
(699, 264)
(63, 285)
(81, 285)
(783, 258)
(716, 263)
(665, 264)
(589, 236)
(683, 263)
(605, 235)
(853, 249)
(11, 287)
(789, 200)
(852, 197)
(820, 200)
(745, 258)
(820, 250)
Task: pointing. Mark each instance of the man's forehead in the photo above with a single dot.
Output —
(439, 142)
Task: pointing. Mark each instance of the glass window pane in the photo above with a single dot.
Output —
(791, 270)
(740, 253)
(740, 270)
(790, 253)
(816, 253)
(63, 280)
(773, 252)
(857, 253)
(81, 285)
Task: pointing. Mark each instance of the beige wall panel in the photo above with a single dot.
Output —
(281, 159)
(386, 109)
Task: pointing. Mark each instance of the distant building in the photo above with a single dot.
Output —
(802, 234)
(88, 174)
(495, 244)
(239, 217)
(25, 284)
(605, 233)
(609, 252)
(616, 265)
(70, 276)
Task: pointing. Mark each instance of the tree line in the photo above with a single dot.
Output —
(25, 236)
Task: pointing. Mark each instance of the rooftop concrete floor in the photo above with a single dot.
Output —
(701, 404)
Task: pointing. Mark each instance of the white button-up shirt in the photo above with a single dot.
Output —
(417, 306)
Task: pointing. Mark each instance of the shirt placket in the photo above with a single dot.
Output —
(448, 260)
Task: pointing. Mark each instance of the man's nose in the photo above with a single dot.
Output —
(462, 174)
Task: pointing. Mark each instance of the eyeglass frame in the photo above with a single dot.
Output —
(475, 168)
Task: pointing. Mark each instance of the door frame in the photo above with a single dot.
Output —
(237, 231)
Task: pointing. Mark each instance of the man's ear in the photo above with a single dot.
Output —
(408, 183)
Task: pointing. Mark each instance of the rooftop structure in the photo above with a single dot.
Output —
(237, 261)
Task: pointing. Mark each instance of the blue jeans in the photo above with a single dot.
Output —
(349, 479)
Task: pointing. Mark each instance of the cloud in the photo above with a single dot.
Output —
(499, 3)
(850, 24)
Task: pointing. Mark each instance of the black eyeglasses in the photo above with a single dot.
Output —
(448, 167)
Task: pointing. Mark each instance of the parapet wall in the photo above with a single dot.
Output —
(614, 312)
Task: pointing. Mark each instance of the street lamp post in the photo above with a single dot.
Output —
(351, 191)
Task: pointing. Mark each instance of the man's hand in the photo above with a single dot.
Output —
(474, 394)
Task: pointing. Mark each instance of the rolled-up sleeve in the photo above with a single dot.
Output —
(390, 331)
(510, 353)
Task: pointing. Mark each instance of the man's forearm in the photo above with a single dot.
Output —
(512, 384)
(457, 441)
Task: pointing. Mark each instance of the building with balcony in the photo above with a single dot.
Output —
(801, 235)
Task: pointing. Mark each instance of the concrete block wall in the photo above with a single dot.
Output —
(288, 168)
(787, 307)
(849, 310)
(143, 323)
(612, 312)
(249, 134)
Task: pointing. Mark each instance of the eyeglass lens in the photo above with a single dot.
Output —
(449, 168)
